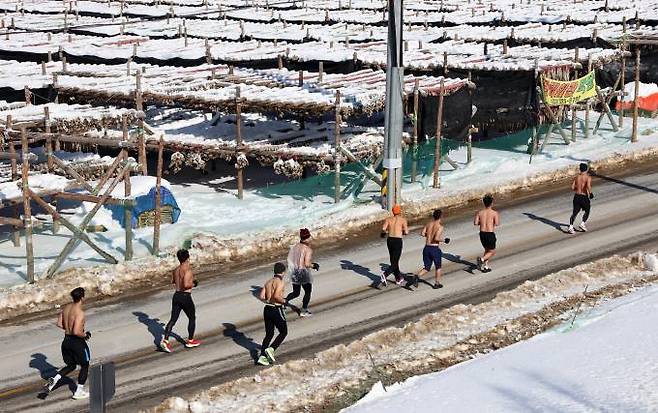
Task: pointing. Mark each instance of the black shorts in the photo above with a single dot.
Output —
(75, 351)
(432, 255)
(488, 240)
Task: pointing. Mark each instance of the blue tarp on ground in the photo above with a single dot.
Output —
(145, 203)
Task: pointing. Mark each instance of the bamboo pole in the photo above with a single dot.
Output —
(439, 128)
(636, 95)
(414, 147)
(108, 174)
(158, 200)
(238, 140)
(128, 218)
(27, 208)
(336, 150)
(72, 172)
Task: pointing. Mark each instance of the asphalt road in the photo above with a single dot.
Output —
(347, 301)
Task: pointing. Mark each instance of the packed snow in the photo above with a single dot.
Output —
(605, 362)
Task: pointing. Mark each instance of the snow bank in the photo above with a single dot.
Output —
(646, 89)
(575, 368)
(280, 388)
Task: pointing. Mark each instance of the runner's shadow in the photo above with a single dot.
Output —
(471, 267)
(625, 183)
(547, 221)
(363, 271)
(156, 328)
(241, 340)
(255, 291)
(46, 370)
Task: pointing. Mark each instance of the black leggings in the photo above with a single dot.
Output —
(394, 252)
(580, 202)
(75, 353)
(296, 289)
(274, 317)
(182, 301)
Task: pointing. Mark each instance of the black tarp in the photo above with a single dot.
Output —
(456, 113)
(39, 96)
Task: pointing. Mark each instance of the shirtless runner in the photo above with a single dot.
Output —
(394, 229)
(582, 187)
(487, 219)
(273, 314)
(184, 281)
(75, 351)
(433, 233)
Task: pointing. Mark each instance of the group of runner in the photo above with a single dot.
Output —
(75, 351)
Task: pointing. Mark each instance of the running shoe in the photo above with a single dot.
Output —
(401, 282)
(80, 394)
(571, 230)
(486, 269)
(192, 343)
(165, 346)
(269, 353)
(583, 227)
(480, 263)
(306, 313)
(436, 286)
(263, 361)
(416, 281)
(382, 278)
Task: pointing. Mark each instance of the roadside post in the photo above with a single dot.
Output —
(101, 386)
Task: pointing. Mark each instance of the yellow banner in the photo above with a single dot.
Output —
(558, 92)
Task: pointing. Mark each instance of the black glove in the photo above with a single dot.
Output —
(87, 335)
(315, 266)
(383, 234)
(447, 240)
(591, 195)
(195, 283)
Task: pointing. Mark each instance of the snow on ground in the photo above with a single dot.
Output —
(605, 362)
(307, 383)
(269, 218)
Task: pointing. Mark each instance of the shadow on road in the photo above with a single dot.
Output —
(156, 328)
(255, 291)
(46, 370)
(470, 266)
(363, 271)
(241, 340)
(625, 183)
(549, 222)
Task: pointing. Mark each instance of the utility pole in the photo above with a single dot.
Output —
(394, 116)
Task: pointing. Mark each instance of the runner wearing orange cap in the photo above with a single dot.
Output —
(394, 228)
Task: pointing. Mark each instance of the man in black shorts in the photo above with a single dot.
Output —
(75, 351)
(487, 219)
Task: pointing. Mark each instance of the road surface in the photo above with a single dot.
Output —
(347, 301)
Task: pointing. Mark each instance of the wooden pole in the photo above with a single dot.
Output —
(573, 107)
(623, 89)
(238, 140)
(336, 150)
(158, 200)
(636, 95)
(143, 161)
(16, 235)
(469, 147)
(414, 147)
(587, 106)
(27, 209)
(138, 91)
(439, 128)
(49, 142)
(128, 217)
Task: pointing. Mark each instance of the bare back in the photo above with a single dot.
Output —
(396, 226)
(433, 232)
(183, 278)
(582, 184)
(487, 219)
(72, 320)
(272, 291)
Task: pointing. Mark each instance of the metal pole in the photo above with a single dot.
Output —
(394, 95)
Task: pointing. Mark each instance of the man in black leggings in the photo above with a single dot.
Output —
(183, 279)
(582, 188)
(394, 229)
(299, 263)
(75, 351)
(273, 315)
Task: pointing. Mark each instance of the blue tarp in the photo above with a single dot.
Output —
(145, 203)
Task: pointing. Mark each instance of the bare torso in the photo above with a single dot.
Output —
(72, 320)
(487, 219)
(582, 184)
(396, 226)
(433, 233)
(183, 278)
(272, 292)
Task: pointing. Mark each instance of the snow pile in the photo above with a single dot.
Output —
(41, 182)
(280, 389)
(587, 373)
